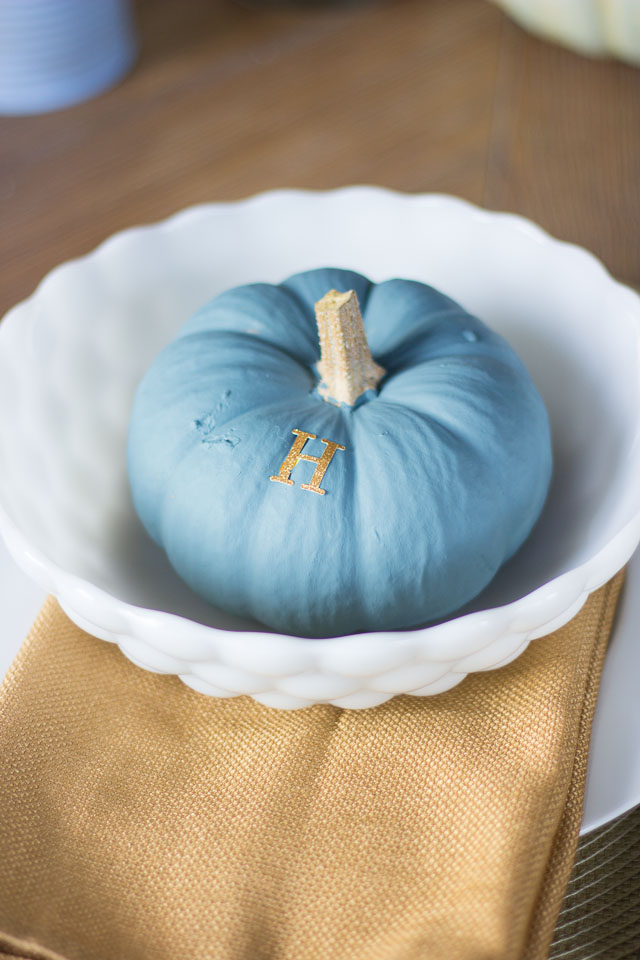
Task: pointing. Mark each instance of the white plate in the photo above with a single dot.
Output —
(613, 779)
(613, 775)
(20, 601)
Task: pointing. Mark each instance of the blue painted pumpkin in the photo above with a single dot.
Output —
(277, 500)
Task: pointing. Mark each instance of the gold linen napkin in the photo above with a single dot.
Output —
(139, 819)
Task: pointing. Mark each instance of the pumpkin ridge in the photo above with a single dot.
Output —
(260, 309)
(421, 333)
(249, 338)
(395, 305)
(296, 298)
(477, 368)
(429, 419)
(334, 277)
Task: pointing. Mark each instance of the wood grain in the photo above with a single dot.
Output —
(420, 95)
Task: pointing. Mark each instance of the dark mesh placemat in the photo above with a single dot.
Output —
(600, 916)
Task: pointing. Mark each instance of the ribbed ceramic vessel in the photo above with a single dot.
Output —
(597, 27)
(72, 355)
(55, 53)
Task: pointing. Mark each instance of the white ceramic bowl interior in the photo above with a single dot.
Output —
(72, 355)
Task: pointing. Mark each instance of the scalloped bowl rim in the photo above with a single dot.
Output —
(76, 594)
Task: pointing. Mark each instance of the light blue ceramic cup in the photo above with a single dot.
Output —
(54, 53)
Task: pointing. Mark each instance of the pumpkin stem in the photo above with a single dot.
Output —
(346, 366)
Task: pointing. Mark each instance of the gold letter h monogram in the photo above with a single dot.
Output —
(296, 454)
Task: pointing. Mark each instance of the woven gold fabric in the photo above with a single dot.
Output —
(140, 820)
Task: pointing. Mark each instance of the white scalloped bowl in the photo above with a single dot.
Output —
(72, 355)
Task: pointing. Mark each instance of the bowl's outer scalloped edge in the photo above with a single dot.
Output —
(354, 672)
(296, 672)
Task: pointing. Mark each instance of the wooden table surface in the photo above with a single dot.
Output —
(420, 95)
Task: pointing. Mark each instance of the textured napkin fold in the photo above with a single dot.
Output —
(139, 819)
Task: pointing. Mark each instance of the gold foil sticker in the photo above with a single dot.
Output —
(296, 454)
